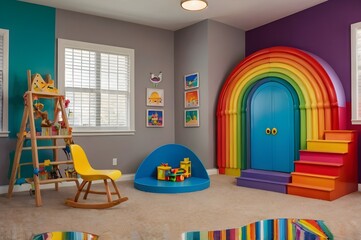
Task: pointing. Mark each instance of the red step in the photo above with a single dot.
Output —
(322, 168)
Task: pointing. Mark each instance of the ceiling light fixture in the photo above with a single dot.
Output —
(194, 5)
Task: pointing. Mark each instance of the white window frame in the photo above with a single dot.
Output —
(355, 75)
(64, 43)
(5, 34)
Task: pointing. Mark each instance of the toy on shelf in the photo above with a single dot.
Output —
(71, 173)
(187, 165)
(39, 85)
(43, 175)
(176, 175)
(162, 171)
(46, 124)
(167, 173)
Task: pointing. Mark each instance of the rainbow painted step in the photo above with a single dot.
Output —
(328, 168)
(324, 157)
(340, 135)
(329, 146)
(331, 169)
(265, 180)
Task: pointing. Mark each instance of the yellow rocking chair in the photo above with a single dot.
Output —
(88, 174)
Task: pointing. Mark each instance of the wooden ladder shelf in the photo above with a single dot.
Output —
(40, 89)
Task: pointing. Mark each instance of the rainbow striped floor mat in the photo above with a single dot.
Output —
(65, 236)
(270, 229)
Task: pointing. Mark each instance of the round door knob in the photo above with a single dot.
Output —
(274, 131)
(268, 131)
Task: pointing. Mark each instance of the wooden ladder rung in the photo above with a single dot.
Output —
(45, 147)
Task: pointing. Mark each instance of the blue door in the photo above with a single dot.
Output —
(272, 128)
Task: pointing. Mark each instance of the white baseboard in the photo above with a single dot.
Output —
(212, 171)
(126, 177)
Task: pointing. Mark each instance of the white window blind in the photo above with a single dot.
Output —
(4, 51)
(356, 72)
(98, 81)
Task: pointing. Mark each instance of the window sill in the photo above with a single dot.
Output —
(356, 122)
(4, 134)
(79, 133)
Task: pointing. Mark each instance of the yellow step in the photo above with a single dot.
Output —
(331, 146)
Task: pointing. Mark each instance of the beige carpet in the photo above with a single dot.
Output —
(166, 216)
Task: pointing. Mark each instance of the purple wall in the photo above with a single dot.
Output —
(323, 30)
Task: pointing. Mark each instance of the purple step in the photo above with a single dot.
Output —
(262, 184)
(266, 175)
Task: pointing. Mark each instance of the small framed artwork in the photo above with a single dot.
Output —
(191, 81)
(155, 118)
(191, 98)
(155, 97)
(191, 118)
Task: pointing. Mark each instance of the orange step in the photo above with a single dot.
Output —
(304, 190)
(314, 180)
(340, 135)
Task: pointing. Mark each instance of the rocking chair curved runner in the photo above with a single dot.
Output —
(89, 174)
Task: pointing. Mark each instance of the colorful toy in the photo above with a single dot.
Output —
(43, 175)
(176, 175)
(39, 85)
(162, 171)
(187, 165)
(46, 124)
(71, 173)
(167, 173)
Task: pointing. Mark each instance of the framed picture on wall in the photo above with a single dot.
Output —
(155, 97)
(191, 118)
(191, 98)
(191, 81)
(155, 118)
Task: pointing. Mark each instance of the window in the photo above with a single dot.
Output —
(356, 72)
(99, 82)
(4, 63)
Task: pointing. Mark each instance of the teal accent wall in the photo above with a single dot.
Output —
(32, 46)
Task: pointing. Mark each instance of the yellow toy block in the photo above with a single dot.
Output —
(162, 171)
(186, 165)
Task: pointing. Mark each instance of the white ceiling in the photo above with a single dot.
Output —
(167, 14)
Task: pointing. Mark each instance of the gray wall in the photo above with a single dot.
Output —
(153, 53)
(209, 47)
(213, 49)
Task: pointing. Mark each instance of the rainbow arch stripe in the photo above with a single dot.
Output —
(321, 99)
